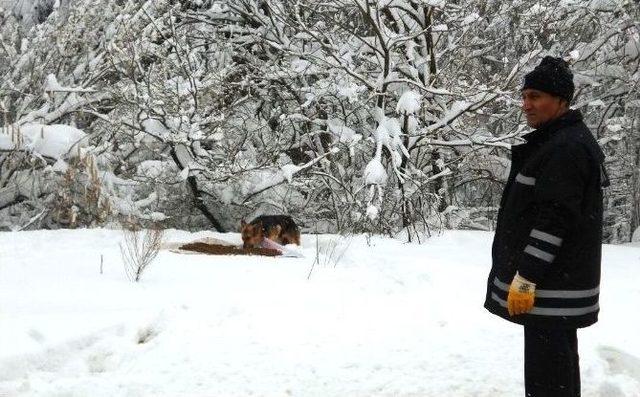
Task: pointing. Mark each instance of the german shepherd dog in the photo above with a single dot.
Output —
(279, 228)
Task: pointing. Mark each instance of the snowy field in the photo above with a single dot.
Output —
(378, 319)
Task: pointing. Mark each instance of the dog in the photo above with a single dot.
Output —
(278, 228)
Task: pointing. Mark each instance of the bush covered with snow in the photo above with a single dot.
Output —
(205, 112)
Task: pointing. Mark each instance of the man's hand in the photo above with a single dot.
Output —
(521, 295)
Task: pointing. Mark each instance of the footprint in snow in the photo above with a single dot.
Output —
(620, 362)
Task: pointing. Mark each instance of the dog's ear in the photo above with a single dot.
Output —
(243, 224)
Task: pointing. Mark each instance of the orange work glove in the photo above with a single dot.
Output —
(521, 295)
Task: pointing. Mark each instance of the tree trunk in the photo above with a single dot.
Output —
(197, 193)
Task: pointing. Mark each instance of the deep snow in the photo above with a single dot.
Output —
(378, 319)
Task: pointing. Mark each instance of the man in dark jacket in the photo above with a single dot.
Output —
(547, 246)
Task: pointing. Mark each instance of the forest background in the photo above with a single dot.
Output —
(353, 116)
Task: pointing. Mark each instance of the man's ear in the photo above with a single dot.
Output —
(564, 103)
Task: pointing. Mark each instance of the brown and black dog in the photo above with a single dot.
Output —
(279, 228)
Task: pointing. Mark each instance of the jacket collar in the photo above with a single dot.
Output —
(543, 133)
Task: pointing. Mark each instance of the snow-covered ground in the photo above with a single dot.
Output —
(381, 318)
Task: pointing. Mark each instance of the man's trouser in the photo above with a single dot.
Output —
(551, 367)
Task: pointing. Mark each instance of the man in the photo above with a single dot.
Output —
(547, 246)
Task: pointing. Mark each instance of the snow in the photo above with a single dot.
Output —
(469, 19)
(409, 103)
(181, 86)
(457, 108)
(51, 84)
(603, 5)
(440, 28)
(288, 170)
(157, 216)
(55, 140)
(434, 3)
(300, 65)
(632, 47)
(155, 127)
(129, 207)
(614, 127)
(382, 132)
(388, 133)
(380, 319)
(536, 9)
(344, 133)
(575, 55)
(184, 173)
(374, 173)
(60, 166)
(152, 168)
(372, 212)
(349, 90)
(636, 236)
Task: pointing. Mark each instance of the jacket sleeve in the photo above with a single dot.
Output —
(558, 197)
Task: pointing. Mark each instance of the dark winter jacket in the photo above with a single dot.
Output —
(550, 226)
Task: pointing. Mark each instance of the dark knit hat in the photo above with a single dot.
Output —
(551, 76)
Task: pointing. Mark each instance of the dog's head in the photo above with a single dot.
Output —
(252, 234)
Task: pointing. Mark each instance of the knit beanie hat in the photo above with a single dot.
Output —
(551, 76)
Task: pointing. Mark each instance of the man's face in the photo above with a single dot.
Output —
(540, 107)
